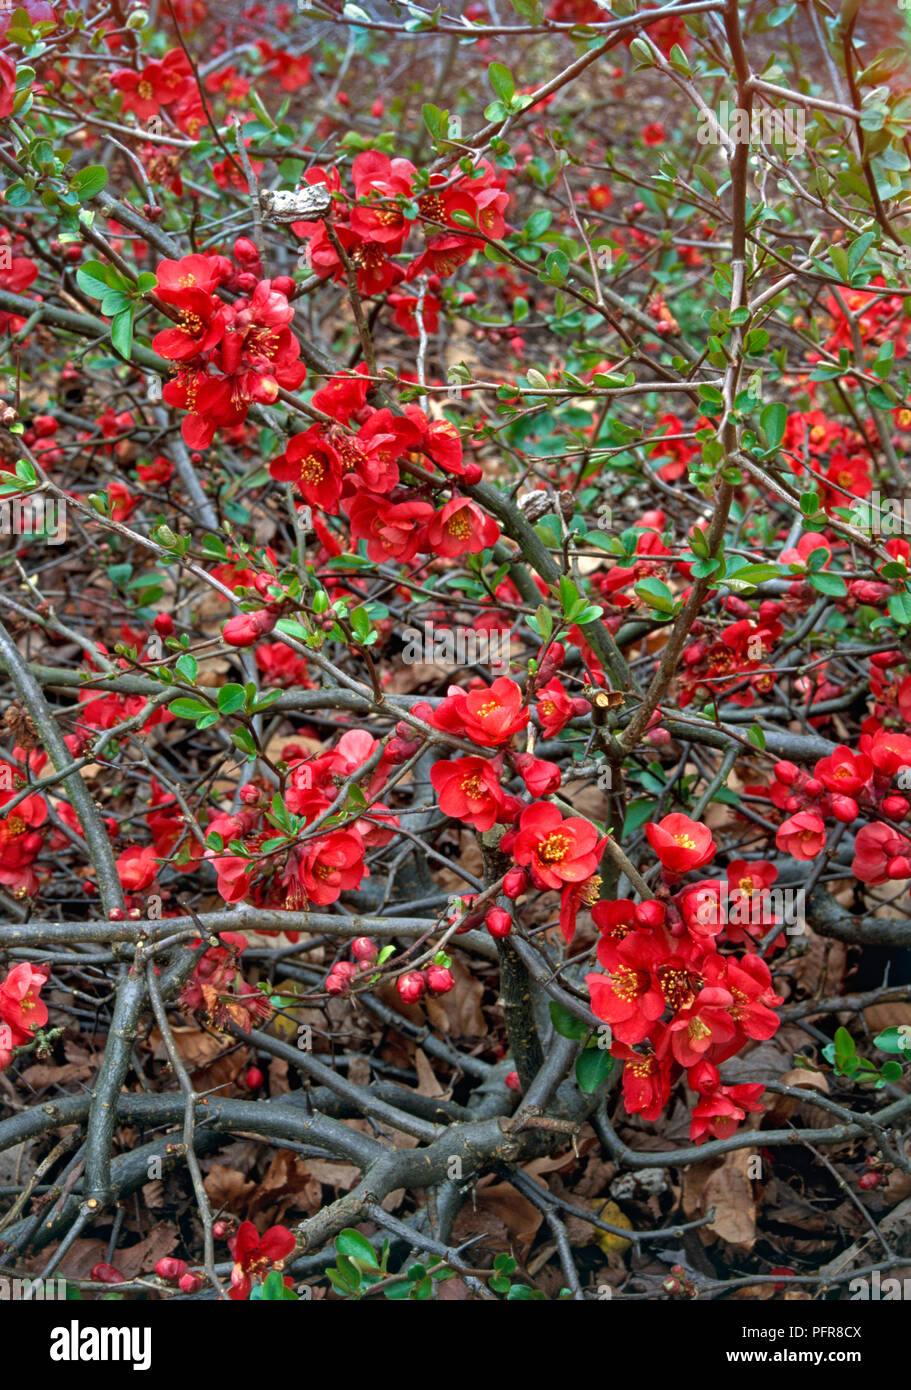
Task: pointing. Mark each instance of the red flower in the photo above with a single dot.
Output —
(392, 530)
(628, 996)
(540, 777)
(718, 1112)
(680, 843)
(888, 751)
(158, 84)
(653, 134)
(468, 789)
(254, 1255)
(7, 86)
(803, 835)
(705, 1024)
(876, 847)
(750, 914)
(487, 717)
(558, 851)
(21, 1009)
(209, 402)
(328, 867)
(844, 771)
(555, 707)
(572, 896)
(200, 327)
(313, 466)
(461, 526)
(137, 867)
(195, 272)
(616, 919)
(646, 1081)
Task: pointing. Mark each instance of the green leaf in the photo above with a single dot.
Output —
(274, 1289)
(122, 332)
(637, 813)
(566, 1024)
(893, 1040)
(89, 182)
(356, 1247)
(544, 621)
(831, 584)
(189, 709)
(501, 80)
(231, 698)
(187, 667)
(773, 420)
(90, 279)
(899, 607)
(751, 575)
(243, 739)
(593, 1067)
(655, 594)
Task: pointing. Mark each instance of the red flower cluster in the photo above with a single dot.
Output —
(665, 983)
(21, 840)
(739, 655)
(22, 1010)
(315, 869)
(228, 355)
(841, 787)
(373, 225)
(352, 467)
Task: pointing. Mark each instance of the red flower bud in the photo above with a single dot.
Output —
(254, 1079)
(245, 253)
(650, 913)
(886, 659)
(117, 914)
(364, 950)
(221, 1229)
(163, 624)
(411, 986)
(250, 795)
(515, 883)
(170, 1269)
(190, 1283)
(786, 773)
(472, 474)
(439, 979)
(340, 977)
(866, 1181)
(106, 1274)
(512, 1081)
(498, 921)
(245, 629)
(844, 808)
(899, 867)
(896, 807)
(813, 787)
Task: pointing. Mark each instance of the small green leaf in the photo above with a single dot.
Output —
(565, 1023)
(593, 1067)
